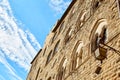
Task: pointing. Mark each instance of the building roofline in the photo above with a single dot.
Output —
(64, 15)
(36, 56)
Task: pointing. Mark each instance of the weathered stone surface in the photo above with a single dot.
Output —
(78, 32)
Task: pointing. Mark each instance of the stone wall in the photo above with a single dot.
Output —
(76, 48)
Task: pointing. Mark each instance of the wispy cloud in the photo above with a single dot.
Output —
(59, 6)
(9, 69)
(17, 45)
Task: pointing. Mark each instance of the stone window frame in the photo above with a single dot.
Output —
(73, 14)
(62, 69)
(68, 35)
(76, 56)
(80, 19)
(98, 30)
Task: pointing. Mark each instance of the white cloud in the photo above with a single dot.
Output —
(59, 6)
(10, 69)
(17, 45)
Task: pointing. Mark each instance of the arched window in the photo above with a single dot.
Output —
(80, 20)
(98, 34)
(72, 12)
(68, 35)
(56, 48)
(49, 57)
(95, 4)
(61, 69)
(76, 57)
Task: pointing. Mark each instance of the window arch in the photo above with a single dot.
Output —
(56, 48)
(98, 34)
(76, 57)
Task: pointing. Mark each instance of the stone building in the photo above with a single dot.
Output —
(83, 45)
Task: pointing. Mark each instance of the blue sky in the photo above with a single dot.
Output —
(38, 16)
(24, 25)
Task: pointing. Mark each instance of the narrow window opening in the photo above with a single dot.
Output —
(97, 71)
(96, 4)
(49, 78)
(61, 75)
(76, 55)
(44, 52)
(49, 57)
(118, 74)
(56, 48)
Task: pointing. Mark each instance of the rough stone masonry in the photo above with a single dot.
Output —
(83, 45)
